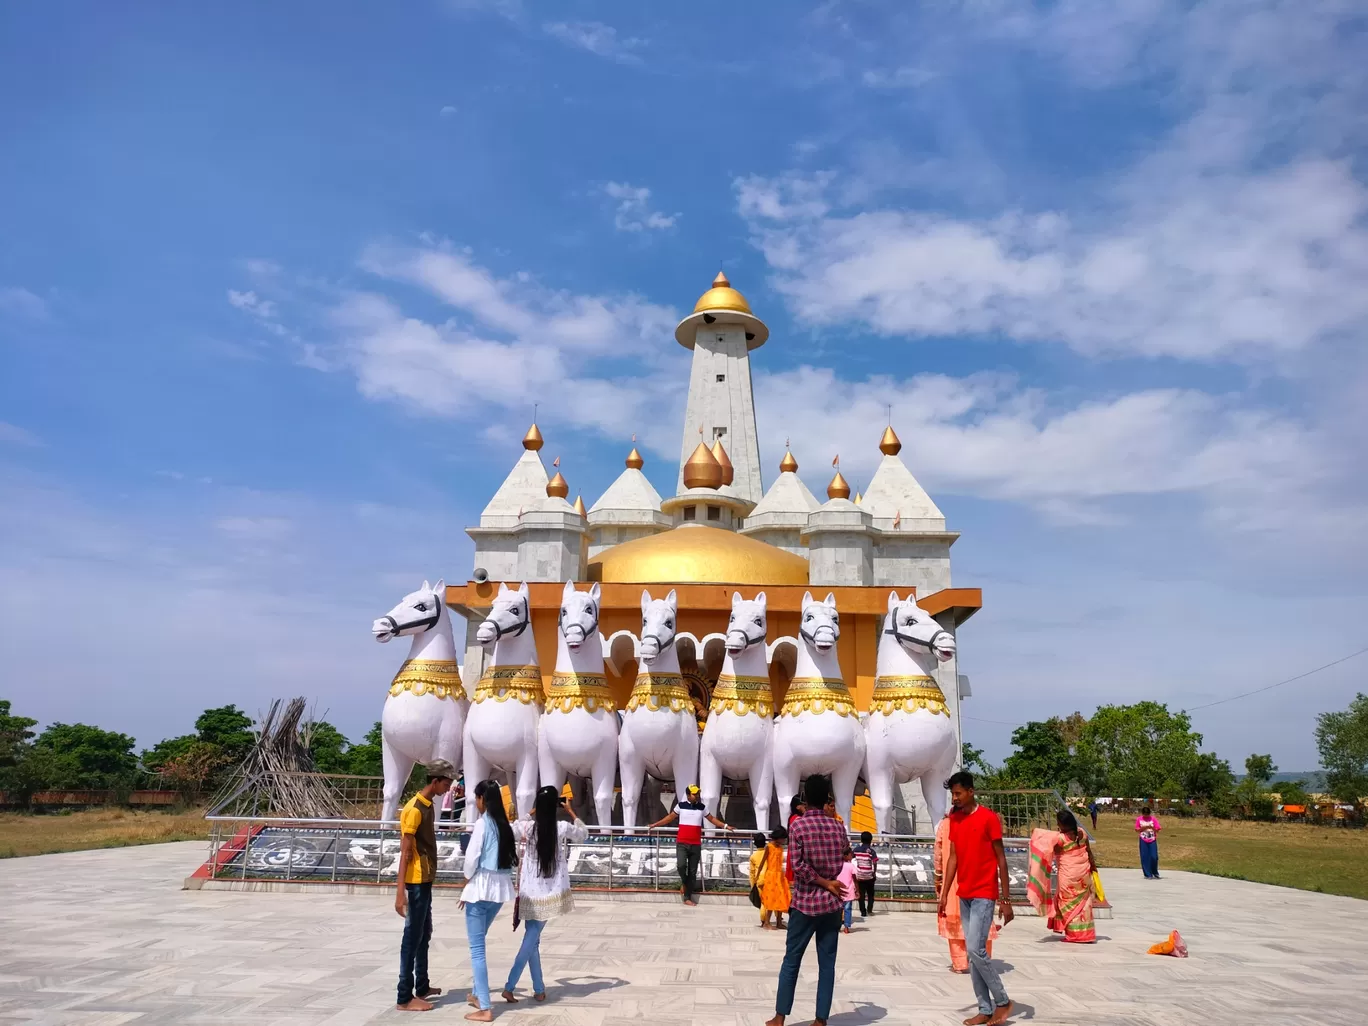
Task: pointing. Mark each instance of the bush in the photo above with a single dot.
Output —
(1262, 808)
(1221, 804)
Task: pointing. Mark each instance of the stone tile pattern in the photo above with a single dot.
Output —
(107, 937)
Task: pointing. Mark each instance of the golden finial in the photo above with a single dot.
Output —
(557, 486)
(533, 439)
(579, 504)
(889, 444)
(720, 454)
(789, 465)
(859, 496)
(634, 459)
(721, 282)
(702, 470)
(838, 489)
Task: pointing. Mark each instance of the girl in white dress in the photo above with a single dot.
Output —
(489, 883)
(543, 880)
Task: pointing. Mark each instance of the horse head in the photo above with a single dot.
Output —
(417, 612)
(510, 615)
(659, 619)
(748, 623)
(915, 629)
(579, 614)
(820, 625)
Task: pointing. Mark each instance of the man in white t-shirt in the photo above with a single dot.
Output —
(691, 814)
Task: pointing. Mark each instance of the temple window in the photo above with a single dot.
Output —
(714, 512)
(690, 512)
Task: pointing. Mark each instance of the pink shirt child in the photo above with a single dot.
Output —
(846, 878)
(1148, 827)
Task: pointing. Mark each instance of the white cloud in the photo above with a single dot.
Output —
(447, 111)
(595, 37)
(22, 303)
(252, 304)
(905, 77)
(12, 434)
(633, 212)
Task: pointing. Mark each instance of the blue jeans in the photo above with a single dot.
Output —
(976, 917)
(529, 955)
(1149, 858)
(413, 950)
(849, 913)
(479, 916)
(801, 929)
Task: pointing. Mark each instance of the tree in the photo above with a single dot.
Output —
(172, 748)
(971, 758)
(1260, 768)
(328, 747)
(1209, 777)
(88, 757)
(1042, 757)
(192, 769)
(1342, 738)
(229, 728)
(1293, 792)
(1136, 750)
(15, 734)
(366, 759)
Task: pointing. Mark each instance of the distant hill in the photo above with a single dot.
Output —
(1312, 780)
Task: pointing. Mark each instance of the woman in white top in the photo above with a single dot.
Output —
(543, 880)
(489, 883)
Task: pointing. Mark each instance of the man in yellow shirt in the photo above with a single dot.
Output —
(413, 897)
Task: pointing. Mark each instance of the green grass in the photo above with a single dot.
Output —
(24, 833)
(1327, 859)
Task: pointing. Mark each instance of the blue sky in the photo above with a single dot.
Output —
(279, 287)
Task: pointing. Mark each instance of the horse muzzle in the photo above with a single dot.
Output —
(487, 633)
(575, 635)
(383, 629)
(650, 650)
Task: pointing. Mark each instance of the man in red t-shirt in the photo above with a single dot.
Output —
(979, 864)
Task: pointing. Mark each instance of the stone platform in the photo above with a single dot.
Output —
(109, 937)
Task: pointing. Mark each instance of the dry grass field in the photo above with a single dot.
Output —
(1311, 858)
(26, 834)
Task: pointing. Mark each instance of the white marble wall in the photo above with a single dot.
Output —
(720, 349)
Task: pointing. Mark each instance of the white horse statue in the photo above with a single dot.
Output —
(501, 728)
(738, 737)
(818, 730)
(425, 712)
(659, 732)
(579, 730)
(909, 732)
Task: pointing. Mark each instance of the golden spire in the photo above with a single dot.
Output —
(721, 282)
(720, 454)
(702, 470)
(789, 464)
(838, 489)
(533, 439)
(859, 497)
(889, 444)
(634, 459)
(579, 504)
(557, 487)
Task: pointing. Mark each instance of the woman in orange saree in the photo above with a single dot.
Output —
(1070, 909)
(949, 925)
(773, 881)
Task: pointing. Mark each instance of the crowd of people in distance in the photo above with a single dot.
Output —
(806, 878)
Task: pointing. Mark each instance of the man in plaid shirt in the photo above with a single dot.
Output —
(816, 844)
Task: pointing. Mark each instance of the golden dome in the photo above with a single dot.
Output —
(789, 465)
(579, 504)
(890, 444)
(634, 460)
(859, 497)
(557, 486)
(720, 454)
(702, 469)
(838, 489)
(533, 439)
(698, 555)
(721, 297)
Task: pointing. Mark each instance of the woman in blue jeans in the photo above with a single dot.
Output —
(489, 883)
(543, 881)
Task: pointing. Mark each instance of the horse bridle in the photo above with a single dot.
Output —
(515, 630)
(749, 640)
(427, 623)
(929, 644)
(811, 639)
(592, 628)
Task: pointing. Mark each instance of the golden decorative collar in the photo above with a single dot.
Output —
(656, 691)
(440, 677)
(742, 695)
(500, 683)
(571, 690)
(817, 695)
(908, 693)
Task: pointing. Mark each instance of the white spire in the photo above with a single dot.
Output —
(894, 493)
(632, 491)
(523, 489)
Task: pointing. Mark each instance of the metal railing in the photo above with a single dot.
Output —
(611, 859)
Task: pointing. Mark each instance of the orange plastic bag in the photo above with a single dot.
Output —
(1172, 946)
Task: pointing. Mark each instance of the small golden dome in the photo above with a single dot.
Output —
(634, 460)
(533, 439)
(789, 465)
(838, 489)
(890, 444)
(859, 497)
(557, 487)
(579, 504)
(724, 461)
(721, 297)
(698, 555)
(702, 469)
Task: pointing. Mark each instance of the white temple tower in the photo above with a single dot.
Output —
(722, 331)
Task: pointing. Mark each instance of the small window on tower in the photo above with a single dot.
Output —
(721, 377)
(690, 512)
(714, 512)
(719, 432)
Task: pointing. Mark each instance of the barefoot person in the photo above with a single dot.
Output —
(689, 840)
(776, 893)
(543, 880)
(977, 867)
(816, 844)
(413, 897)
(948, 925)
(489, 883)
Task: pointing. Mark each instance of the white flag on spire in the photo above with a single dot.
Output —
(556, 462)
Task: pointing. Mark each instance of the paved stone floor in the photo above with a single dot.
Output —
(109, 937)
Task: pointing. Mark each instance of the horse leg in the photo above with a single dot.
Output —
(476, 769)
(450, 736)
(685, 760)
(843, 786)
(602, 780)
(633, 776)
(552, 775)
(785, 770)
(933, 792)
(762, 783)
(397, 766)
(709, 781)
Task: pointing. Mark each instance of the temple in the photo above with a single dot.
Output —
(723, 531)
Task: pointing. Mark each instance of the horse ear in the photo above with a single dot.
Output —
(736, 599)
(503, 588)
(426, 586)
(831, 599)
(525, 591)
(673, 600)
(595, 592)
(439, 589)
(568, 590)
(645, 600)
(761, 599)
(807, 600)
(892, 601)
